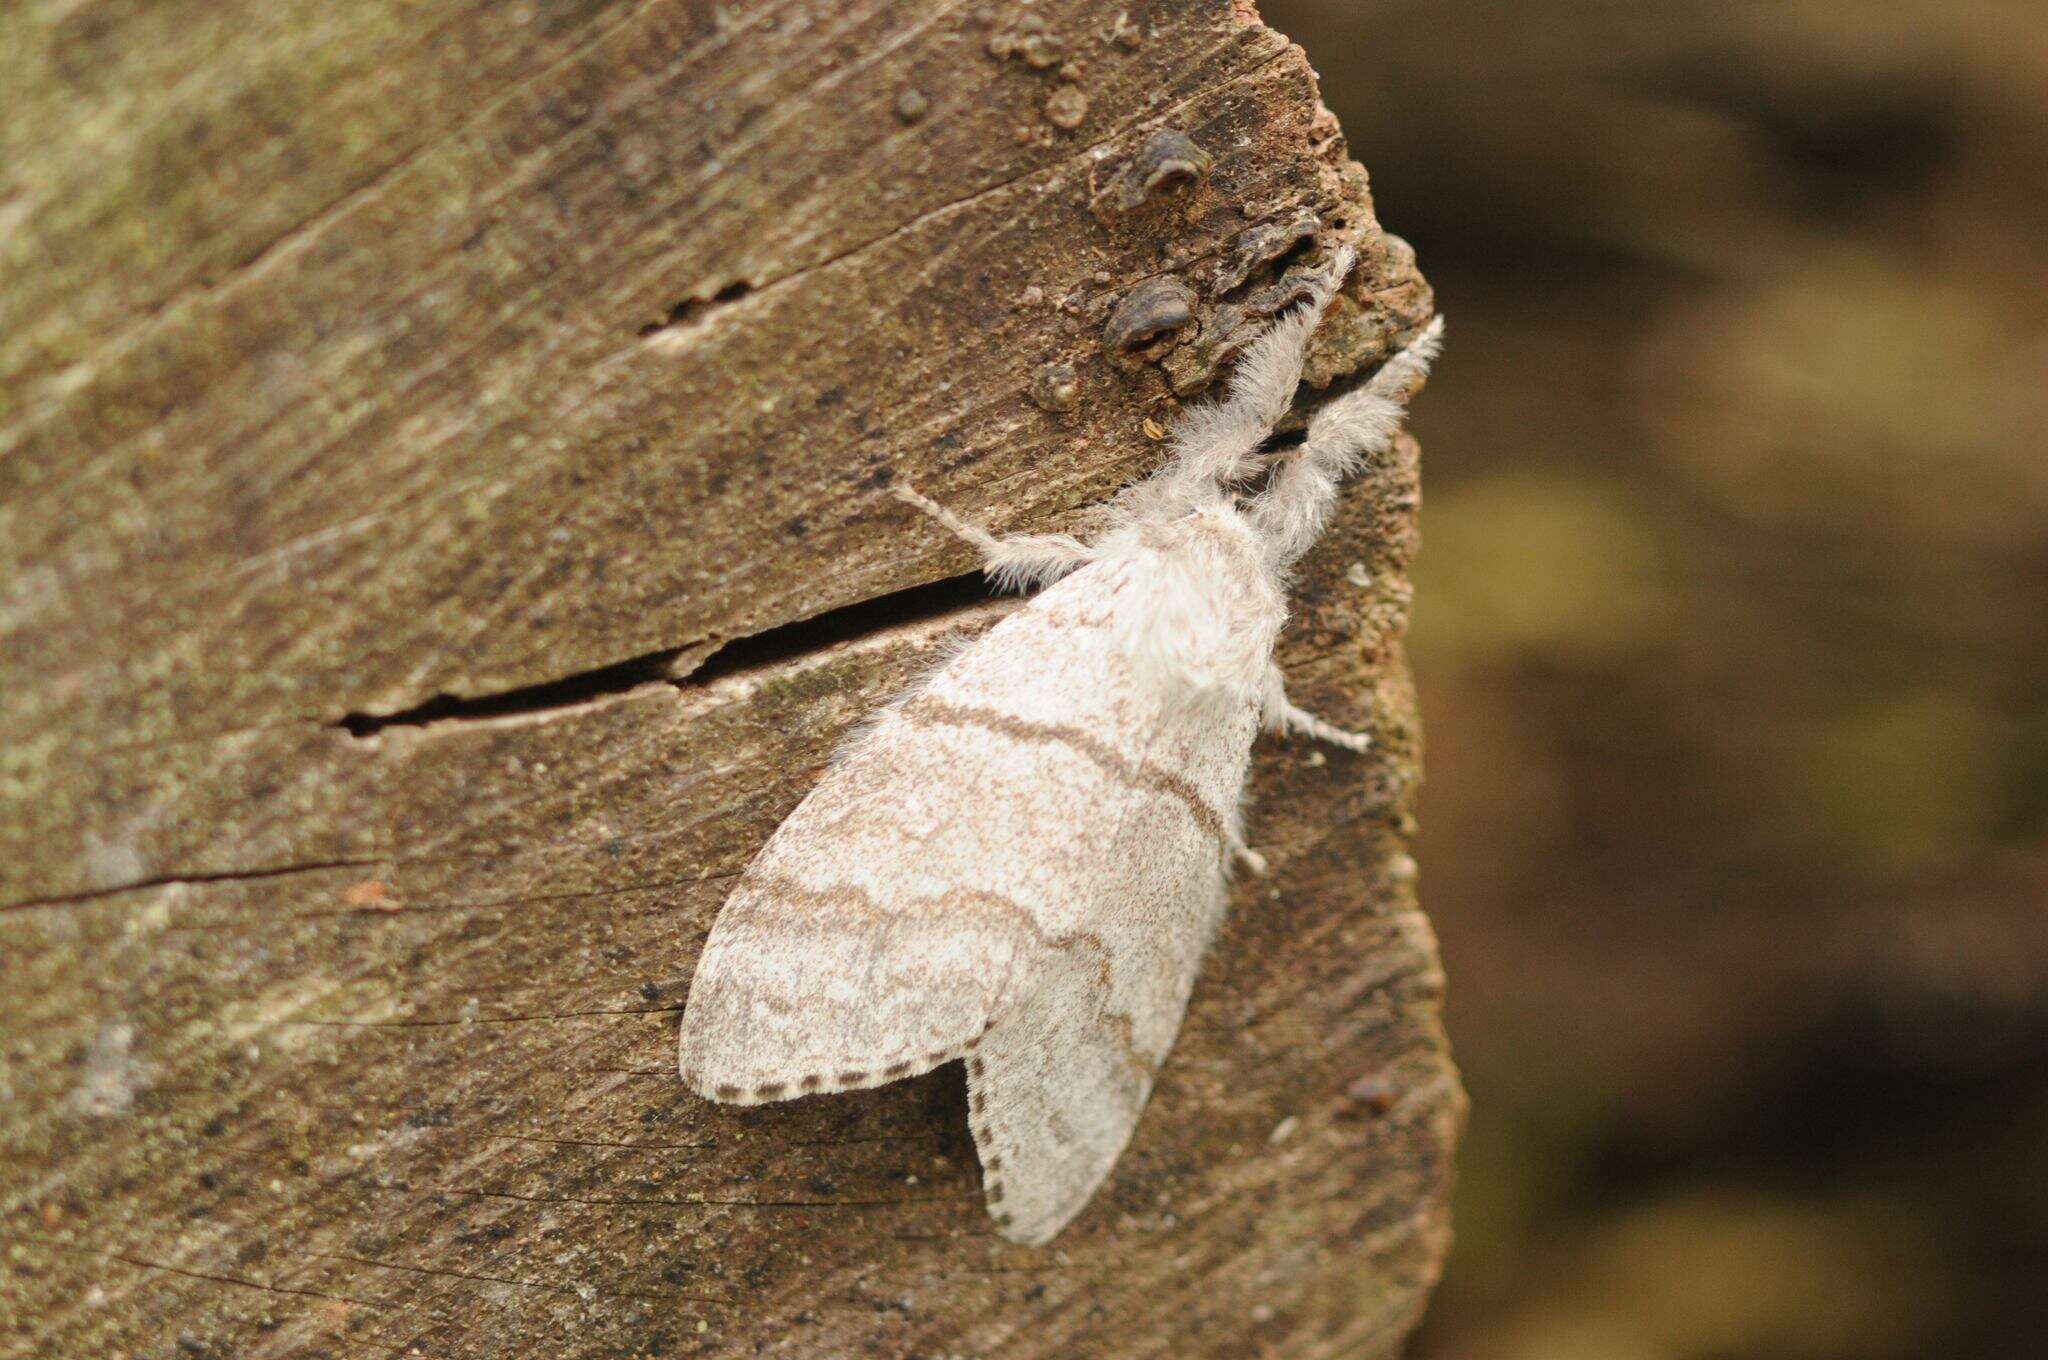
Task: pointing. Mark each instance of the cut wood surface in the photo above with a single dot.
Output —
(443, 528)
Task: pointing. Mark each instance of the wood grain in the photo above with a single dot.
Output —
(442, 530)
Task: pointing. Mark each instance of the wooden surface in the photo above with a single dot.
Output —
(441, 532)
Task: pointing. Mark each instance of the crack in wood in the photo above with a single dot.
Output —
(692, 310)
(478, 1020)
(582, 1292)
(700, 1202)
(923, 603)
(493, 903)
(691, 665)
(566, 692)
(189, 1274)
(176, 880)
(702, 1146)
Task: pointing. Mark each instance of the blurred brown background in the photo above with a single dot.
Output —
(1732, 630)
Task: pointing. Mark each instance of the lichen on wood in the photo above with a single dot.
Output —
(443, 528)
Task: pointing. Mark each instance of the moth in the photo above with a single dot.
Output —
(1021, 861)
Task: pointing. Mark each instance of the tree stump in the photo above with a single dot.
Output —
(442, 531)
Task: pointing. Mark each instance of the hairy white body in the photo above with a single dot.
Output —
(1022, 862)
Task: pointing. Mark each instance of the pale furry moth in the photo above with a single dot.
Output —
(1022, 861)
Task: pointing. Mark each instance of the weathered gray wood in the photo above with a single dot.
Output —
(352, 356)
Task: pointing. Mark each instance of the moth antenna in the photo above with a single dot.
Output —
(1214, 443)
(1291, 512)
